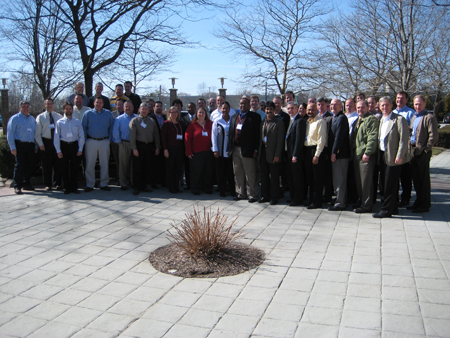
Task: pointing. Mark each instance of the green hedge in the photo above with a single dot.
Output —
(7, 160)
(444, 137)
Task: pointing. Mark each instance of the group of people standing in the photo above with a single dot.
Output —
(314, 150)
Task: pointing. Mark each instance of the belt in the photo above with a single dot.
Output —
(97, 139)
(144, 142)
(65, 142)
(413, 145)
(125, 140)
(18, 141)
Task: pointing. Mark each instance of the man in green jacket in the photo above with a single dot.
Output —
(365, 155)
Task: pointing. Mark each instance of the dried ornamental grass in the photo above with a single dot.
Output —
(204, 233)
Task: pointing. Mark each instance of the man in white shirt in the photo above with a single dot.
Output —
(217, 114)
(44, 135)
(78, 108)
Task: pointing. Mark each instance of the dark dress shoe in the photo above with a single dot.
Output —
(196, 192)
(136, 192)
(420, 210)
(263, 200)
(356, 206)
(412, 207)
(312, 206)
(155, 186)
(173, 191)
(252, 200)
(403, 204)
(294, 204)
(18, 191)
(146, 189)
(362, 211)
(123, 188)
(75, 191)
(28, 187)
(222, 194)
(336, 208)
(88, 189)
(209, 192)
(382, 214)
(237, 198)
(273, 202)
(105, 188)
(66, 191)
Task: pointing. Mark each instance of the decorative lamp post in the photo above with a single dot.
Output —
(173, 91)
(222, 91)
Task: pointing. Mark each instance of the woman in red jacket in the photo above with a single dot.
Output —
(198, 145)
(172, 138)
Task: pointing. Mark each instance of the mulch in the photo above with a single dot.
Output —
(234, 259)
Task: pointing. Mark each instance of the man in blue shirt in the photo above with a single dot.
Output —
(405, 175)
(69, 142)
(20, 136)
(121, 136)
(97, 125)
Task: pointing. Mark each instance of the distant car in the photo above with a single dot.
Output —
(446, 118)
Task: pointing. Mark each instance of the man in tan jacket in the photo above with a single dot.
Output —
(393, 144)
(424, 134)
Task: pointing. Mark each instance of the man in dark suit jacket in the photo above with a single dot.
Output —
(340, 154)
(271, 148)
(243, 144)
(424, 135)
(295, 138)
(328, 178)
(160, 160)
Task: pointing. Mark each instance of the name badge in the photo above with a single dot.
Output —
(29, 130)
(204, 133)
(179, 137)
(239, 126)
(143, 125)
(265, 139)
(69, 135)
(51, 126)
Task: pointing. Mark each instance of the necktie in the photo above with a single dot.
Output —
(52, 130)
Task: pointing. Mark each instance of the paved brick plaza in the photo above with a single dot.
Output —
(77, 266)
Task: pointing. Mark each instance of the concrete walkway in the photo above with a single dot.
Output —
(77, 266)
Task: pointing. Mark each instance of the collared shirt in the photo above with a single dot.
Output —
(121, 129)
(217, 114)
(114, 99)
(44, 127)
(406, 112)
(160, 120)
(98, 124)
(21, 128)
(316, 132)
(384, 131)
(68, 130)
(351, 119)
(144, 130)
(79, 113)
(220, 126)
(416, 125)
(71, 99)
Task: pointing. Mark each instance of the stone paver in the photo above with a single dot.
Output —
(77, 266)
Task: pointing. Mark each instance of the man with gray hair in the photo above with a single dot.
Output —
(79, 89)
(145, 142)
(393, 141)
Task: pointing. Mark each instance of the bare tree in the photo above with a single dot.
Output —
(381, 45)
(274, 39)
(102, 28)
(39, 42)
